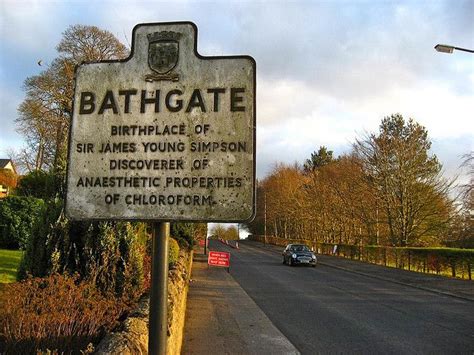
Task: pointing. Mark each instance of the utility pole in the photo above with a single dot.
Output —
(265, 219)
(377, 224)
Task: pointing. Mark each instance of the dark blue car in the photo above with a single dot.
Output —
(299, 254)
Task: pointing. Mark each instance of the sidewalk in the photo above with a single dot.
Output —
(222, 319)
(463, 289)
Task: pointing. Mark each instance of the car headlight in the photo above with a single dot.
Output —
(293, 256)
(313, 256)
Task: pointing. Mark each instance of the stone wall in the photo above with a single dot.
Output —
(178, 282)
(133, 338)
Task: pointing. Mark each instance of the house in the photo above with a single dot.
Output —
(8, 179)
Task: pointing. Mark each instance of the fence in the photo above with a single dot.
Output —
(442, 261)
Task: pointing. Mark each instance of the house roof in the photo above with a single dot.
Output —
(4, 163)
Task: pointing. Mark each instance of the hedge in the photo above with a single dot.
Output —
(173, 252)
(454, 262)
(18, 215)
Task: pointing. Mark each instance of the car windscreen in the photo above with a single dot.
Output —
(300, 248)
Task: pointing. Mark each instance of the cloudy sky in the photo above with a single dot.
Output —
(327, 71)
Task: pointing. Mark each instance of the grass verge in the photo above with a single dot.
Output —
(9, 263)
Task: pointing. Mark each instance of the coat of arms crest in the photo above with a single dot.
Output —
(163, 54)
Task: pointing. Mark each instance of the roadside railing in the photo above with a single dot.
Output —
(451, 262)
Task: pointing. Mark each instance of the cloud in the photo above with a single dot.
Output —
(25, 25)
(283, 100)
(450, 152)
(428, 102)
(8, 136)
(293, 140)
(327, 71)
(350, 50)
(294, 119)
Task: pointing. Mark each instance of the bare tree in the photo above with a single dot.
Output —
(468, 163)
(462, 229)
(44, 115)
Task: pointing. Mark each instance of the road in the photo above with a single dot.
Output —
(328, 310)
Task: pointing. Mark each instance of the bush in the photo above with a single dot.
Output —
(39, 184)
(18, 215)
(173, 252)
(56, 313)
(48, 227)
(112, 258)
(183, 233)
(109, 254)
(186, 233)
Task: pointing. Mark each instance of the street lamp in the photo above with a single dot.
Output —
(446, 48)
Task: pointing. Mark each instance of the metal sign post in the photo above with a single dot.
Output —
(158, 316)
(164, 135)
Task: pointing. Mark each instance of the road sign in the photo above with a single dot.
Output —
(219, 258)
(166, 134)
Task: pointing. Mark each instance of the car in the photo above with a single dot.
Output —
(299, 254)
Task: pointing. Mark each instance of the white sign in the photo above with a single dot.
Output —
(166, 134)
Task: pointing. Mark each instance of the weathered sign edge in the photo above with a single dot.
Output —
(196, 53)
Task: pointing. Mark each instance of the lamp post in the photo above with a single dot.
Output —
(446, 48)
